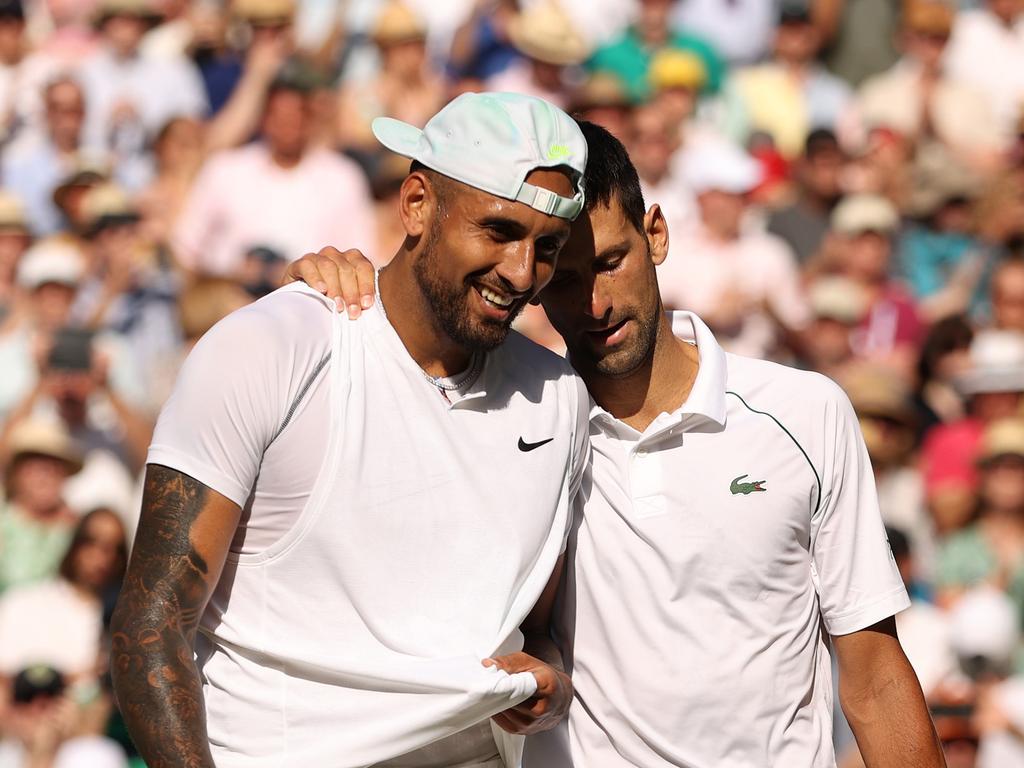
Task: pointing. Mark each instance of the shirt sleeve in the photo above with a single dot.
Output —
(852, 565)
(236, 388)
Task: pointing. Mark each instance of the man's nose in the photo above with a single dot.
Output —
(518, 268)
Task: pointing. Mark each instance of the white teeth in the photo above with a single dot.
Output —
(495, 298)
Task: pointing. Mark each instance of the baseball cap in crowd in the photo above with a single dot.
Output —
(937, 179)
(53, 260)
(1003, 437)
(860, 213)
(997, 364)
(544, 32)
(602, 90)
(723, 167)
(492, 141)
(875, 391)
(107, 205)
(674, 68)
(838, 298)
(85, 174)
(984, 630)
(397, 23)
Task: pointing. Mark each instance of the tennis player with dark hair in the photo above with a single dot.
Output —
(351, 533)
(730, 538)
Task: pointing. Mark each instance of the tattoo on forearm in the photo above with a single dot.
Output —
(154, 627)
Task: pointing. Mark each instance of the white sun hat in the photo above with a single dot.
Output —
(491, 141)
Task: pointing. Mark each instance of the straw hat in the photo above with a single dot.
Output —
(1003, 437)
(838, 298)
(397, 23)
(875, 391)
(42, 437)
(143, 9)
(12, 214)
(264, 12)
(673, 68)
(106, 204)
(928, 17)
(545, 33)
(602, 90)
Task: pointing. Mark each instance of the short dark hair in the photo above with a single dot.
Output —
(611, 174)
(820, 140)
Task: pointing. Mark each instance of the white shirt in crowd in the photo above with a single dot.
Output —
(242, 199)
(989, 56)
(755, 270)
(713, 553)
(390, 541)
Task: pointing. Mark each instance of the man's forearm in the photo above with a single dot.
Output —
(889, 718)
(160, 696)
(154, 625)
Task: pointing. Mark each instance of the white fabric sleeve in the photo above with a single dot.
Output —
(852, 565)
(236, 388)
(580, 458)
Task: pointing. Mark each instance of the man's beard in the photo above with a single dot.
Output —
(625, 361)
(450, 304)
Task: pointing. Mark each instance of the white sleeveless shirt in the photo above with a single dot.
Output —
(357, 636)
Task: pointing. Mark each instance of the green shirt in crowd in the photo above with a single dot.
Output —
(29, 550)
(630, 59)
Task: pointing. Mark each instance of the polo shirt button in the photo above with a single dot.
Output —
(641, 452)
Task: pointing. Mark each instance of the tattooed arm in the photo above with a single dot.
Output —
(183, 538)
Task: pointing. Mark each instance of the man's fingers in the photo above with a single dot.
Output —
(341, 279)
(305, 270)
(366, 276)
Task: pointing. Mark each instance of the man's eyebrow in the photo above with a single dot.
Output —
(614, 250)
(507, 226)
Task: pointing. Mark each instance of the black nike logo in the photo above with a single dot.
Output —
(525, 446)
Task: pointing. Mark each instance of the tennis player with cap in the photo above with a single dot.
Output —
(729, 542)
(351, 532)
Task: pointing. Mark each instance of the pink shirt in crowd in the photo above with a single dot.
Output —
(242, 199)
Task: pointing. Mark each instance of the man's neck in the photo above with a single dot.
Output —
(285, 160)
(415, 322)
(661, 385)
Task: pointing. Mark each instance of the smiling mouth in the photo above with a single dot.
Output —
(496, 299)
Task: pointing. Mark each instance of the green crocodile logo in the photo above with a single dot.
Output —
(737, 487)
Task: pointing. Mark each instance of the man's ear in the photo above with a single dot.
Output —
(656, 230)
(414, 203)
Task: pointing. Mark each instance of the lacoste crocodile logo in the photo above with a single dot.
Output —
(737, 487)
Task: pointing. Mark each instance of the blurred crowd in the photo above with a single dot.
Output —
(843, 182)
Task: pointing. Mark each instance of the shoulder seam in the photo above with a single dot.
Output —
(817, 478)
(303, 391)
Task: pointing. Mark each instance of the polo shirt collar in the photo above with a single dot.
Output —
(706, 400)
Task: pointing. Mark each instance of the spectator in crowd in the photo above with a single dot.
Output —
(991, 549)
(892, 331)
(178, 153)
(59, 622)
(548, 44)
(792, 94)
(945, 264)
(46, 726)
(804, 222)
(406, 88)
(1008, 295)
(986, 52)
(130, 94)
(656, 148)
(888, 420)
(278, 192)
(40, 159)
(677, 80)
(837, 307)
(481, 47)
(12, 51)
(127, 287)
(737, 279)
(71, 191)
(945, 357)
(14, 239)
(602, 99)
(630, 56)
(35, 523)
(918, 99)
(741, 31)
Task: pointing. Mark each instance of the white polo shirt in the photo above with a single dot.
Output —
(391, 538)
(715, 553)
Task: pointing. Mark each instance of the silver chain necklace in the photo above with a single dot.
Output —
(444, 383)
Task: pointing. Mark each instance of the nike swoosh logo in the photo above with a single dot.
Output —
(525, 446)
